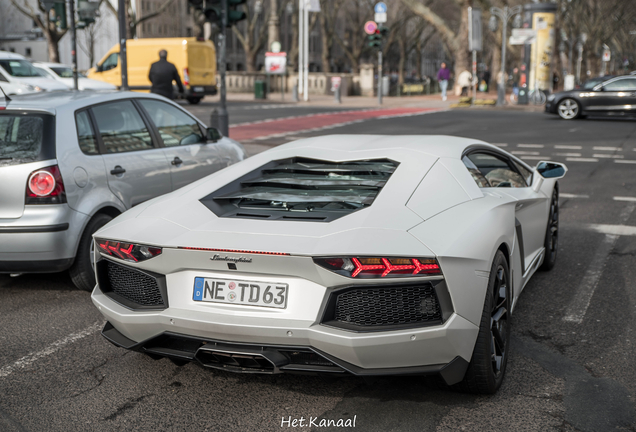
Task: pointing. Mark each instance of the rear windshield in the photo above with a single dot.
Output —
(25, 138)
(303, 189)
(65, 72)
(20, 68)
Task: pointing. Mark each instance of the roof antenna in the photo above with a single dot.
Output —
(7, 98)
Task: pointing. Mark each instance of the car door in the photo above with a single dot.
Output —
(190, 155)
(136, 168)
(506, 176)
(618, 94)
(109, 71)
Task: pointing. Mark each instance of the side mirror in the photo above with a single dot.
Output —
(551, 169)
(213, 134)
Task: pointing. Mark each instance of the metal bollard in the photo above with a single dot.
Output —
(336, 95)
(295, 97)
(214, 119)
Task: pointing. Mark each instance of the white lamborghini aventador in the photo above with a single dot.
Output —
(361, 254)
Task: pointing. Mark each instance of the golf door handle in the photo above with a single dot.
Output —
(176, 161)
(117, 170)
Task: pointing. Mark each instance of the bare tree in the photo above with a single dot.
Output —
(134, 20)
(48, 26)
(328, 19)
(455, 40)
(354, 43)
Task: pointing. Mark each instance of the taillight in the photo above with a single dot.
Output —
(127, 251)
(186, 77)
(380, 267)
(45, 186)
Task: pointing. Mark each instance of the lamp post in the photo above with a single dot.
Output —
(504, 14)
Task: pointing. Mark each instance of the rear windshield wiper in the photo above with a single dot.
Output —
(6, 158)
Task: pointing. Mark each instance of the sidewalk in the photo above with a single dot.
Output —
(424, 101)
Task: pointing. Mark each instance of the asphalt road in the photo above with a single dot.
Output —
(573, 349)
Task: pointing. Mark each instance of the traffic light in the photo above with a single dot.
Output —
(60, 15)
(384, 31)
(233, 14)
(87, 11)
(375, 39)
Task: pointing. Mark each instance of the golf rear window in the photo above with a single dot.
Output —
(25, 138)
(302, 189)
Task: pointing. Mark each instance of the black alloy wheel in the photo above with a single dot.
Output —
(551, 243)
(487, 366)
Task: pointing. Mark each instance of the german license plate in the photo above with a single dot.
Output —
(233, 291)
(199, 89)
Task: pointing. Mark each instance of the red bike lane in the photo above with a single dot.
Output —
(278, 127)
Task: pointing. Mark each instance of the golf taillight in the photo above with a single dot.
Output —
(127, 251)
(45, 186)
(380, 267)
(186, 77)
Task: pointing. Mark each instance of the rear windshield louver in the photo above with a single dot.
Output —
(302, 189)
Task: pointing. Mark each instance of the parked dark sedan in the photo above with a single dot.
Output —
(613, 94)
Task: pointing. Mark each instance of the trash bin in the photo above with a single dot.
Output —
(260, 90)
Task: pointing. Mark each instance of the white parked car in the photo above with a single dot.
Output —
(15, 88)
(64, 74)
(361, 254)
(16, 69)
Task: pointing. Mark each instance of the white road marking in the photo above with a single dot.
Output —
(54, 347)
(517, 152)
(503, 144)
(568, 147)
(578, 159)
(568, 195)
(535, 157)
(607, 148)
(628, 199)
(607, 156)
(568, 154)
(531, 145)
(579, 304)
(614, 230)
(628, 161)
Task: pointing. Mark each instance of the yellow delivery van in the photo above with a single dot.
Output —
(194, 58)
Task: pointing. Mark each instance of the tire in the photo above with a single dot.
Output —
(551, 242)
(194, 100)
(568, 109)
(487, 366)
(82, 271)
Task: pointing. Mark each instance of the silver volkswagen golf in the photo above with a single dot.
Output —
(70, 162)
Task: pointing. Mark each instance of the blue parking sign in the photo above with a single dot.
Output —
(380, 8)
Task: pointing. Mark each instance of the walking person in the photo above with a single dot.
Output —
(516, 76)
(443, 75)
(161, 75)
(486, 78)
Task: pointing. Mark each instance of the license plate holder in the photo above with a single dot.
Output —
(241, 292)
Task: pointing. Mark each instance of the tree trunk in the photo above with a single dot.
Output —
(402, 60)
(418, 59)
(326, 39)
(293, 51)
(53, 48)
(463, 57)
(250, 60)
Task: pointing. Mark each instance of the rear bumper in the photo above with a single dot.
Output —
(200, 91)
(43, 240)
(412, 350)
(268, 359)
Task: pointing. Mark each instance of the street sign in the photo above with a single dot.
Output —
(370, 27)
(275, 63)
(380, 8)
(313, 5)
(474, 30)
(527, 33)
(607, 55)
(275, 47)
(380, 17)
(514, 40)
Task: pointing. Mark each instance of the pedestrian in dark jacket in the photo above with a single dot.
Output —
(161, 75)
